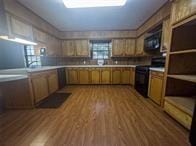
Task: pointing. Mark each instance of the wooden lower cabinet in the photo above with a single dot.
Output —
(125, 76)
(84, 76)
(100, 75)
(72, 76)
(43, 84)
(106, 76)
(53, 81)
(95, 76)
(132, 76)
(40, 86)
(116, 76)
(156, 86)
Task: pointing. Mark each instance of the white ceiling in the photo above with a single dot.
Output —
(128, 17)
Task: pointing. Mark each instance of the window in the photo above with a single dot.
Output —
(31, 58)
(101, 49)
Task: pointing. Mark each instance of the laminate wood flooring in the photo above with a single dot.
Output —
(94, 116)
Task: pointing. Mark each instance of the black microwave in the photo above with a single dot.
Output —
(153, 42)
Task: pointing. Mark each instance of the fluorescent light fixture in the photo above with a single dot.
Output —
(18, 40)
(93, 3)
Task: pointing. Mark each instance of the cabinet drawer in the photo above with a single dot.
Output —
(156, 73)
(182, 117)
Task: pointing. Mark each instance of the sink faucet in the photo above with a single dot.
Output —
(31, 63)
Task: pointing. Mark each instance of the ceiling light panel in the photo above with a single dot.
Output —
(93, 3)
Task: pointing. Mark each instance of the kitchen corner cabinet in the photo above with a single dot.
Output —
(43, 84)
(155, 88)
(182, 9)
(40, 86)
(105, 76)
(20, 29)
(140, 46)
(166, 35)
(76, 48)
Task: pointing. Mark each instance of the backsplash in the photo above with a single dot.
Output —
(52, 61)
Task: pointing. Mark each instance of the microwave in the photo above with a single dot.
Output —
(153, 42)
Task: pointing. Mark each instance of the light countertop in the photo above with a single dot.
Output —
(7, 78)
(22, 73)
(157, 69)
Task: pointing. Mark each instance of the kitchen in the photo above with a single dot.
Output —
(97, 73)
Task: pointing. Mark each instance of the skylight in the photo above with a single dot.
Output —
(93, 3)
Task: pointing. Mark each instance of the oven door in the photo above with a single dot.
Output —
(141, 82)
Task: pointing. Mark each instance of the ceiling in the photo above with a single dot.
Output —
(127, 17)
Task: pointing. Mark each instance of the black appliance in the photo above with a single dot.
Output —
(61, 77)
(142, 75)
(152, 43)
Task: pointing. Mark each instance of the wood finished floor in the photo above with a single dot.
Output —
(94, 116)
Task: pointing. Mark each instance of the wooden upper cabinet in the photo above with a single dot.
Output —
(129, 47)
(68, 48)
(20, 29)
(182, 9)
(166, 35)
(140, 46)
(118, 46)
(39, 36)
(82, 48)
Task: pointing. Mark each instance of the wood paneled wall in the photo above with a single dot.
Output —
(155, 19)
(98, 34)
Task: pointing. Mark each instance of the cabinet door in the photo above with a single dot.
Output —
(52, 82)
(118, 46)
(68, 47)
(84, 76)
(39, 36)
(129, 47)
(155, 89)
(182, 9)
(40, 87)
(116, 76)
(20, 29)
(95, 76)
(125, 76)
(105, 76)
(132, 76)
(72, 76)
(166, 35)
(82, 48)
(140, 46)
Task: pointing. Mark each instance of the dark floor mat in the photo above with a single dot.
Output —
(54, 101)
